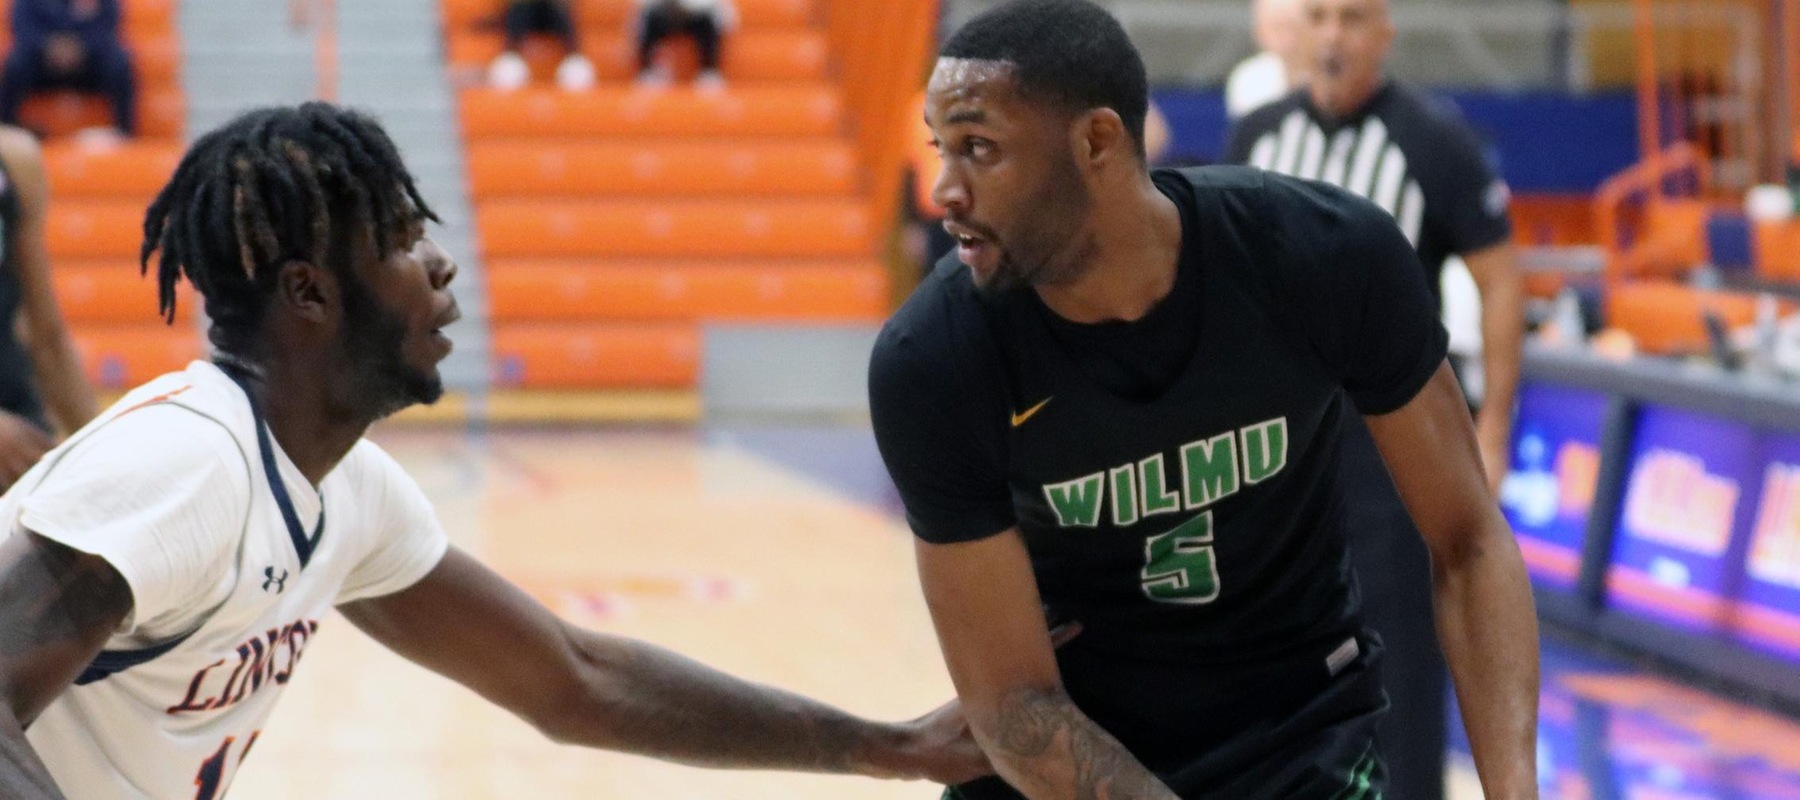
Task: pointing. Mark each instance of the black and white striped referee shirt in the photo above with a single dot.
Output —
(1415, 158)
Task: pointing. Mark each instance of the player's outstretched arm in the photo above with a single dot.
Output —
(57, 608)
(990, 622)
(1485, 615)
(580, 687)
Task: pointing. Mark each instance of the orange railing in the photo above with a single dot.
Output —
(882, 50)
(1651, 216)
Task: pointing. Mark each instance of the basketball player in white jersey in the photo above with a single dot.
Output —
(164, 571)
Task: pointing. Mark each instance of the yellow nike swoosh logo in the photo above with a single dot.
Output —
(1019, 418)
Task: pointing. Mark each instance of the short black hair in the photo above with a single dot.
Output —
(291, 183)
(1070, 53)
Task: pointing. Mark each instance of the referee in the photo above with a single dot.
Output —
(1353, 127)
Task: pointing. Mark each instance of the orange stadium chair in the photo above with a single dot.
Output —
(59, 113)
(519, 168)
(617, 15)
(144, 19)
(804, 110)
(1778, 250)
(763, 55)
(157, 58)
(595, 355)
(794, 228)
(541, 291)
(95, 230)
(1669, 319)
(114, 292)
(135, 170)
(122, 356)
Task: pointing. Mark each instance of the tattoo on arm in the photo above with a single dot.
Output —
(1042, 736)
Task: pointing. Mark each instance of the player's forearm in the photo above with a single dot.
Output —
(1488, 626)
(1046, 748)
(23, 775)
(66, 391)
(642, 699)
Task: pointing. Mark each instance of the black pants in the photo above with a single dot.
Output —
(661, 23)
(106, 70)
(538, 16)
(1393, 571)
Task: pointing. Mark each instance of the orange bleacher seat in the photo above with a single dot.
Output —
(132, 171)
(143, 18)
(160, 113)
(752, 55)
(596, 355)
(123, 356)
(575, 290)
(783, 110)
(97, 229)
(705, 228)
(521, 168)
(1666, 318)
(600, 15)
(1778, 250)
(157, 58)
(114, 292)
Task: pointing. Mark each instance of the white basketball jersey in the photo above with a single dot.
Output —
(233, 560)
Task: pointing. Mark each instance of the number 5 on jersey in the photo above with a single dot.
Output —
(1179, 566)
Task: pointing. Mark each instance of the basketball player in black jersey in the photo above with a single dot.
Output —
(1120, 405)
(42, 389)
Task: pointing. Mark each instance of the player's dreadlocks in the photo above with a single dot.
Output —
(272, 186)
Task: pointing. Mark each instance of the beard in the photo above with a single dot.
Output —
(1049, 245)
(380, 381)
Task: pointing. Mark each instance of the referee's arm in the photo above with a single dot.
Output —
(1496, 273)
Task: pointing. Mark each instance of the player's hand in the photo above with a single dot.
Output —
(21, 445)
(940, 748)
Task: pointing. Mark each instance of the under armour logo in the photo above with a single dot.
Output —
(279, 583)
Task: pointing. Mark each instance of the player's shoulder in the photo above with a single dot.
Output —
(368, 469)
(941, 313)
(1269, 116)
(1257, 202)
(1410, 112)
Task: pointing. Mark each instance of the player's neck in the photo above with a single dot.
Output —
(306, 420)
(1137, 244)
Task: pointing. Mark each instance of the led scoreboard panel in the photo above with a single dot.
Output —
(1675, 555)
(1549, 489)
(1708, 535)
(1768, 610)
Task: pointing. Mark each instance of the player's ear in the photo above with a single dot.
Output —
(307, 289)
(1102, 137)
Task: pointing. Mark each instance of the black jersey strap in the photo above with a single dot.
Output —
(303, 544)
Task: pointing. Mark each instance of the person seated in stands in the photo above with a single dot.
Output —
(706, 21)
(554, 17)
(72, 44)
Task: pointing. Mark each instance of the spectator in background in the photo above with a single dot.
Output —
(707, 21)
(1267, 76)
(40, 377)
(554, 17)
(70, 44)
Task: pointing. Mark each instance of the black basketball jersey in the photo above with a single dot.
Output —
(18, 394)
(1174, 477)
(1415, 158)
